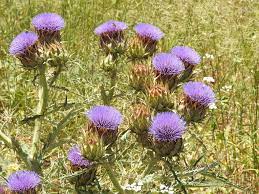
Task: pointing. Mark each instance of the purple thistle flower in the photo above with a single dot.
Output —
(148, 31)
(167, 64)
(48, 22)
(199, 92)
(105, 117)
(111, 26)
(22, 43)
(22, 181)
(76, 158)
(167, 126)
(186, 54)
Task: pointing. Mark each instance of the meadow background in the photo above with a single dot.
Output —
(224, 29)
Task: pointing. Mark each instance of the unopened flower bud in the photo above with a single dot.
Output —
(54, 54)
(158, 97)
(141, 76)
(93, 147)
(140, 118)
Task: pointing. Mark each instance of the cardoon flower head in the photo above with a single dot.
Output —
(110, 27)
(48, 21)
(76, 158)
(199, 93)
(167, 126)
(22, 43)
(105, 117)
(198, 98)
(148, 35)
(188, 55)
(48, 26)
(167, 64)
(148, 31)
(23, 181)
(78, 162)
(23, 47)
(111, 34)
(105, 120)
(167, 129)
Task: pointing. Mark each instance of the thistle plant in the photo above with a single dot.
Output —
(166, 103)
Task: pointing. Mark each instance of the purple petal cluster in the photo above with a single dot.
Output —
(148, 31)
(110, 26)
(167, 64)
(186, 54)
(22, 42)
(22, 181)
(48, 22)
(76, 158)
(199, 92)
(167, 126)
(105, 117)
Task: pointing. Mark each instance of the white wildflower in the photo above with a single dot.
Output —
(212, 106)
(208, 56)
(209, 79)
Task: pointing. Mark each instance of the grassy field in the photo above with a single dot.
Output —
(224, 29)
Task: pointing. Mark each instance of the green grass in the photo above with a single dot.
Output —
(225, 29)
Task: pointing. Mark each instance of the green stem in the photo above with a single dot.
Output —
(56, 74)
(149, 168)
(114, 180)
(5, 139)
(41, 108)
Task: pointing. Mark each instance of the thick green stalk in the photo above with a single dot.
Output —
(114, 180)
(41, 108)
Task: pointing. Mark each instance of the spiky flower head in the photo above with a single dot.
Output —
(199, 92)
(76, 158)
(149, 31)
(106, 117)
(167, 126)
(23, 181)
(187, 55)
(111, 36)
(48, 22)
(111, 26)
(48, 26)
(167, 64)
(105, 120)
(22, 43)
